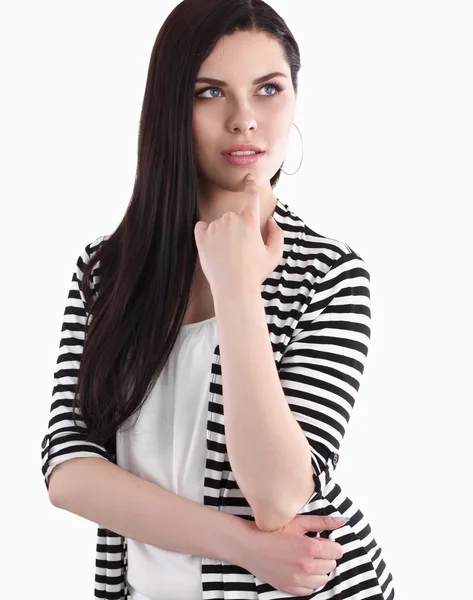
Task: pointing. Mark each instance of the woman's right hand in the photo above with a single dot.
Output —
(289, 560)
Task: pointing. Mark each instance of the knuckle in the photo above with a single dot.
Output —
(317, 548)
(328, 522)
(306, 567)
(300, 568)
(308, 547)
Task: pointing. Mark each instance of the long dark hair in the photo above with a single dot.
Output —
(147, 265)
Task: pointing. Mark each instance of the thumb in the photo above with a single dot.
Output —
(319, 522)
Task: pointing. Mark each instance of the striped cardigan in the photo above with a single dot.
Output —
(317, 304)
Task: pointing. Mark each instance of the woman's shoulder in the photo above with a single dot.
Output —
(92, 247)
(306, 243)
(87, 253)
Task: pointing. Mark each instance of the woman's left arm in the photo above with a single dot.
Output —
(282, 428)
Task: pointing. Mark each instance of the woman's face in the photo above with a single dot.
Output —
(242, 111)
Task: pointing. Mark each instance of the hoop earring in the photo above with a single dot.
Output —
(302, 157)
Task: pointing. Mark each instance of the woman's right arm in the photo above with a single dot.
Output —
(102, 492)
(82, 478)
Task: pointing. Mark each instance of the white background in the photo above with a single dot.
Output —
(385, 110)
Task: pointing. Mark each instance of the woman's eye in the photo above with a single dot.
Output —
(266, 85)
(272, 85)
(200, 94)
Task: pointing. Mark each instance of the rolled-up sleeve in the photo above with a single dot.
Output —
(322, 366)
(65, 439)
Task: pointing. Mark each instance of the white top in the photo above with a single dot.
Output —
(165, 443)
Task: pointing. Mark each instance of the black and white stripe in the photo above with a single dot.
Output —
(317, 304)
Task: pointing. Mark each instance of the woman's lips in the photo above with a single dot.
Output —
(243, 161)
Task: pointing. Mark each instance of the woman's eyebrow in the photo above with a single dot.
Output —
(225, 84)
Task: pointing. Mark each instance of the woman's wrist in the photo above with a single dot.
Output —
(236, 536)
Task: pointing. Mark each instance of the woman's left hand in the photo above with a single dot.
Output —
(232, 253)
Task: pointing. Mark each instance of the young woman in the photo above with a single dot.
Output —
(210, 355)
